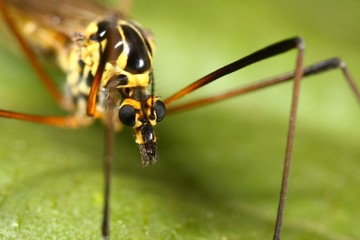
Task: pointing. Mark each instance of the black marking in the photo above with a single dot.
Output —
(122, 80)
(147, 133)
(82, 66)
(125, 92)
(83, 96)
(89, 79)
(118, 80)
(108, 30)
(138, 57)
(101, 33)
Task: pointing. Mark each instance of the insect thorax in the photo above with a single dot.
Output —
(127, 51)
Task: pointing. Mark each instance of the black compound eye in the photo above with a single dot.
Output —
(127, 115)
(160, 110)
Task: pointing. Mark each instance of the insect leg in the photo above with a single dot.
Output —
(108, 156)
(57, 121)
(43, 75)
(267, 52)
(297, 75)
(310, 70)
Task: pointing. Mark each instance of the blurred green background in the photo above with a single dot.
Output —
(219, 171)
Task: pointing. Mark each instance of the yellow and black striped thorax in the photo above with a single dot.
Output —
(125, 51)
(127, 47)
(128, 51)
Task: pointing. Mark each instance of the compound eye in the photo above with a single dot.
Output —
(160, 110)
(127, 115)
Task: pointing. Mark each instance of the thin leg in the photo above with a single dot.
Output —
(290, 140)
(108, 155)
(57, 121)
(270, 51)
(332, 63)
(297, 75)
(257, 56)
(30, 55)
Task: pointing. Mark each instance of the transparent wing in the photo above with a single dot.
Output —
(65, 16)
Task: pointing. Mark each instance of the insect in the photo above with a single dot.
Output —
(169, 105)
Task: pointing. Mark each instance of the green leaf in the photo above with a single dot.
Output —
(220, 166)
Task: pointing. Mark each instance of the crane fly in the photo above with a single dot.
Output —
(108, 59)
